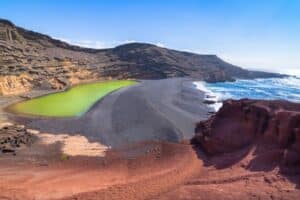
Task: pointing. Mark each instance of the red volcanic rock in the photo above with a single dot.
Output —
(241, 123)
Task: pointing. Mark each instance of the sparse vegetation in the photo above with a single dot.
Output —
(64, 157)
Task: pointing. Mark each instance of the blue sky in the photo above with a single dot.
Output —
(257, 34)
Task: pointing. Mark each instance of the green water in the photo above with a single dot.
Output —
(73, 102)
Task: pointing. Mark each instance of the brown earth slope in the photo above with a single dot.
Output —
(142, 171)
(252, 152)
(30, 60)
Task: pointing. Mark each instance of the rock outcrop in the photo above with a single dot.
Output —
(13, 137)
(12, 84)
(272, 127)
(48, 61)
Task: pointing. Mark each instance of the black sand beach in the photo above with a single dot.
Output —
(160, 110)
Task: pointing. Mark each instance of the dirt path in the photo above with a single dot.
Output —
(150, 186)
(162, 168)
(235, 182)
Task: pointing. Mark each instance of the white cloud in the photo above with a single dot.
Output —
(62, 39)
(91, 44)
(125, 42)
(102, 44)
(95, 44)
(159, 44)
(205, 52)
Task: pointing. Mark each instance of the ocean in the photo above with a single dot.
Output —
(270, 88)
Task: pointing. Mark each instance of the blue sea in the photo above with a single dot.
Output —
(271, 88)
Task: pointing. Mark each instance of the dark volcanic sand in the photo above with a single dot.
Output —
(161, 110)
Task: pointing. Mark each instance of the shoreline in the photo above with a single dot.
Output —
(159, 110)
(73, 111)
(212, 99)
(267, 89)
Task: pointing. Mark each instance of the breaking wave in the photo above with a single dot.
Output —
(271, 88)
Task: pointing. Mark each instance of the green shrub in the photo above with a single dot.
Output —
(64, 157)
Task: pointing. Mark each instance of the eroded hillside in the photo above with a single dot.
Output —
(30, 60)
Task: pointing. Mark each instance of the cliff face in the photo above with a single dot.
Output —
(15, 84)
(55, 64)
(273, 127)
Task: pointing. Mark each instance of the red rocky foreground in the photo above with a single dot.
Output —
(250, 150)
(272, 126)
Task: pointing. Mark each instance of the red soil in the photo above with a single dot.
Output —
(227, 177)
(252, 152)
(160, 168)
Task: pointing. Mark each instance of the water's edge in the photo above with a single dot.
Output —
(270, 89)
(214, 101)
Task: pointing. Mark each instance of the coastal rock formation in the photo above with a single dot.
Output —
(53, 64)
(250, 150)
(273, 127)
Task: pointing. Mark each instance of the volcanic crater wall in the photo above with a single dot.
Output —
(54, 64)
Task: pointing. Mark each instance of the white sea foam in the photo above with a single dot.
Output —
(270, 88)
(209, 95)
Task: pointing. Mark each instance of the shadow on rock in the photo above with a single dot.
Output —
(261, 135)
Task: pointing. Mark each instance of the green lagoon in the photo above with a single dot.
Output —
(73, 102)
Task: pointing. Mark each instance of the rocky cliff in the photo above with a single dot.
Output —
(271, 127)
(53, 64)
